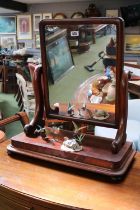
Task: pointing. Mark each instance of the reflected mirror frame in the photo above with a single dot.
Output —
(119, 23)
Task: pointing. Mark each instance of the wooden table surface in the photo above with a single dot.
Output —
(51, 182)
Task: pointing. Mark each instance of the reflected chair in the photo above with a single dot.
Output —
(27, 102)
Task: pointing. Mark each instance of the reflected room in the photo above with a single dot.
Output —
(80, 81)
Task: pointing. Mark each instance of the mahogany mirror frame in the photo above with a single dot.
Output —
(109, 156)
(120, 103)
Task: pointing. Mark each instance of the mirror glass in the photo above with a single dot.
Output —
(80, 70)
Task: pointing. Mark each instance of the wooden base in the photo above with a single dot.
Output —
(91, 158)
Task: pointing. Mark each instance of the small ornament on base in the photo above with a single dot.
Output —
(70, 145)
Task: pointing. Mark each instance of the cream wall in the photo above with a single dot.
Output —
(69, 7)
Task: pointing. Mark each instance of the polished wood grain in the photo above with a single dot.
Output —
(96, 155)
(27, 183)
(118, 145)
(121, 80)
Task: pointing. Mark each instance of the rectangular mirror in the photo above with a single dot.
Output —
(82, 69)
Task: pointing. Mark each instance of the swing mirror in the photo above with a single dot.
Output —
(82, 69)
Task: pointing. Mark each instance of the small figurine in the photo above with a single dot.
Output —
(111, 94)
(70, 145)
(95, 90)
(77, 129)
(56, 107)
(89, 93)
(107, 72)
(100, 114)
(113, 73)
(84, 106)
(45, 132)
(70, 109)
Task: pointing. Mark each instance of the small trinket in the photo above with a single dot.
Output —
(80, 114)
(56, 107)
(70, 109)
(84, 106)
(71, 145)
(89, 93)
(107, 72)
(100, 114)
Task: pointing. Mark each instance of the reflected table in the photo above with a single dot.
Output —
(134, 82)
(93, 29)
(81, 94)
(134, 88)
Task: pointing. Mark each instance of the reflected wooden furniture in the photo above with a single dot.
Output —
(93, 30)
(134, 88)
(134, 82)
(81, 94)
(37, 185)
(87, 36)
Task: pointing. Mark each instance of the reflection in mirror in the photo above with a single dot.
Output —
(82, 70)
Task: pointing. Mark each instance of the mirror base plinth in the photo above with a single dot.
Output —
(97, 160)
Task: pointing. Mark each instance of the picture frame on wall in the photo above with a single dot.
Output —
(58, 55)
(47, 15)
(29, 44)
(7, 24)
(37, 41)
(24, 27)
(132, 44)
(36, 19)
(8, 41)
(20, 45)
(112, 12)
